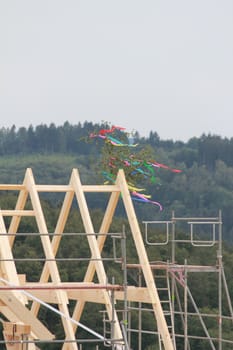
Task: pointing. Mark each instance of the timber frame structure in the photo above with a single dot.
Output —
(20, 301)
(160, 292)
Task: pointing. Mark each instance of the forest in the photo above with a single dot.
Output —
(202, 188)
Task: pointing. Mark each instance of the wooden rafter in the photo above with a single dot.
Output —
(17, 309)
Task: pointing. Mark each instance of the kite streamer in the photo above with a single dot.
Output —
(159, 165)
(136, 168)
(104, 134)
(145, 199)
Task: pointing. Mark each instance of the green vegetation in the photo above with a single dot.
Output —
(204, 186)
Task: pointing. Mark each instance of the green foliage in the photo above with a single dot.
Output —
(204, 186)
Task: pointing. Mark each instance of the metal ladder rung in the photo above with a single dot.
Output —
(164, 292)
(167, 312)
(162, 289)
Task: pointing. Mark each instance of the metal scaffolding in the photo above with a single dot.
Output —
(189, 323)
(149, 298)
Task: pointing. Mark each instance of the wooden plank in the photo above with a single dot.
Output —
(14, 327)
(89, 275)
(45, 240)
(137, 294)
(100, 188)
(8, 270)
(68, 188)
(25, 315)
(143, 258)
(15, 212)
(11, 187)
(78, 290)
(9, 315)
(134, 294)
(48, 296)
(92, 241)
(52, 266)
(62, 219)
(15, 221)
(53, 188)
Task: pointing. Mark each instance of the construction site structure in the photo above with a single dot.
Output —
(191, 321)
(160, 288)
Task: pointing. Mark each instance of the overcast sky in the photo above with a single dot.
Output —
(147, 65)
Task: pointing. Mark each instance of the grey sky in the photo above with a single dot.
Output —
(160, 65)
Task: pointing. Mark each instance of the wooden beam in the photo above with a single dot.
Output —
(15, 221)
(52, 266)
(89, 275)
(93, 244)
(134, 294)
(62, 219)
(15, 212)
(25, 315)
(10, 187)
(143, 258)
(8, 270)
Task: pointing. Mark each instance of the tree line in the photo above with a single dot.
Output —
(68, 138)
(202, 188)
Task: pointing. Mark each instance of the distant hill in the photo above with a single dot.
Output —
(204, 186)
